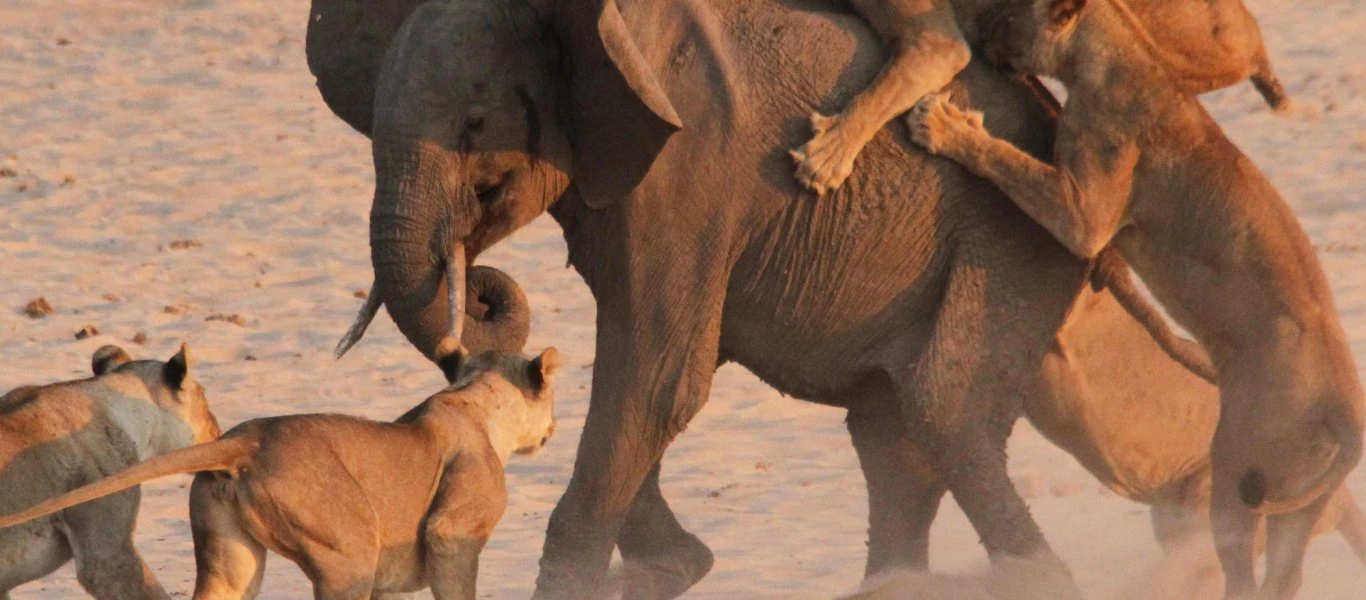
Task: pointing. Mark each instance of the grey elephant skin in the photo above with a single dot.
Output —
(655, 134)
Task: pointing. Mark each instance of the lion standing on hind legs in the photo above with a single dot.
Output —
(1140, 167)
(1208, 44)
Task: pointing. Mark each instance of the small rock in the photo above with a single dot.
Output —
(173, 310)
(8, 172)
(87, 331)
(249, 357)
(763, 466)
(38, 308)
(61, 41)
(362, 294)
(68, 181)
(110, 297)
(1029, 485)
(184, 244)
(23, 187)
(139, 338)
(258, 283)
(235, 319)
(1064, 490)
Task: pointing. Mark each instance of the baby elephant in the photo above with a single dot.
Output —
(58, 437)
(362, 507)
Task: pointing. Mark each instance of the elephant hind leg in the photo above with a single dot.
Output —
(1005, 298)
(904, 488)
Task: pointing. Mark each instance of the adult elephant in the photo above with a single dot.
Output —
(915, 295)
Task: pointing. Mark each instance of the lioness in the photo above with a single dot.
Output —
(362, 507)
(1139, 164)
(58, 437)
(1210, 44)
(1142, 424)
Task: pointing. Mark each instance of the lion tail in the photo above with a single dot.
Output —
(222, 454)
(1111, 271)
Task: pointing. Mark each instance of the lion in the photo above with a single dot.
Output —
(362, 507)
(58, 437)
(1208, 44)
(1141, 169)
(1142, 425)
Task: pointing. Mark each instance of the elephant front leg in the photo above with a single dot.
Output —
(656, 354)
(662, 559)
(904, 490)
(927, 51)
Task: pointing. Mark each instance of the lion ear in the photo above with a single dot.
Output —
(108, 358)
(1061, 12)
(178, 368)
(541, 370)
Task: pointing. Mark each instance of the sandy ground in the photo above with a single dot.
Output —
(127, 126)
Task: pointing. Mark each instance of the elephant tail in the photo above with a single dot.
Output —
(1110, 270)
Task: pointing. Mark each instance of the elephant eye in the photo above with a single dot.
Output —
(474, 124)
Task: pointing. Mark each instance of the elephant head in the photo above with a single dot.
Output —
(484, 113)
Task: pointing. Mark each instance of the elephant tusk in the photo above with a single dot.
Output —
(363, 319)
(455, 299)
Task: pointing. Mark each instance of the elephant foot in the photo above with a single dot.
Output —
(667, 575)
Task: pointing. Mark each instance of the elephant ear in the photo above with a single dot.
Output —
(621, 116)
(345, 47)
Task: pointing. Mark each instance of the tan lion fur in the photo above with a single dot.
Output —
(1208, 44)
(58, 437)
(1139, 164)
(362, 507)
(1142, 425)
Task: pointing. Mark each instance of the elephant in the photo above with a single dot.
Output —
(914, 286)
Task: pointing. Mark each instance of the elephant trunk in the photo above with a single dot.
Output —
(418, 255)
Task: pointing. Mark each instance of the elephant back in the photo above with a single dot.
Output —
(345, 47)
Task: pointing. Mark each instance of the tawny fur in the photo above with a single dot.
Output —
(57, 437)
(1207, 44)
(1141, 424)
(362, 507)
(1142, 166)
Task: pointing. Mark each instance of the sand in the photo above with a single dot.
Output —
(168, 162)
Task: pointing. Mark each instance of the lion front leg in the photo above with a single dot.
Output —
(927, 49)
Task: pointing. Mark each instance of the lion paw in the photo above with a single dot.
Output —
(825, 162)
(935, 122)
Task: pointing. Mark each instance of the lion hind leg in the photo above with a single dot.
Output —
(927, 49)
(229, 562)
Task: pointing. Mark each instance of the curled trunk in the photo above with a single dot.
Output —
(417, 247)
(497, 316)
